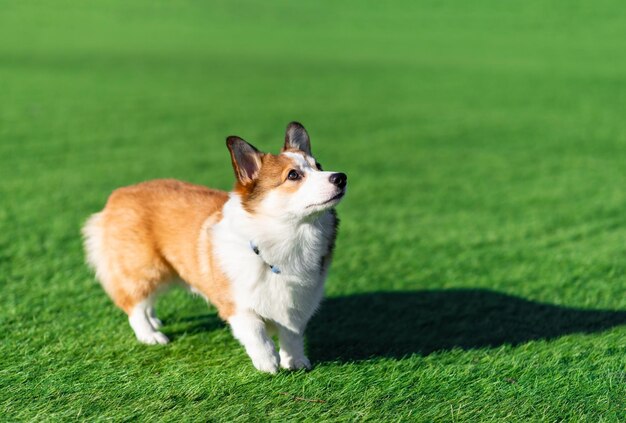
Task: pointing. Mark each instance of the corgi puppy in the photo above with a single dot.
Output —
(259, 254)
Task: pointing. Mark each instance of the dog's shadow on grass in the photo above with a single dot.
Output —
(398, 324)
(178, 326)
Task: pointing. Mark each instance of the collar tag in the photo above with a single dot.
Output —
(255, 249)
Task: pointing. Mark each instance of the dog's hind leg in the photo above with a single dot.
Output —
(136, 297)
(154, 320)
(128, 264)
(145, 324)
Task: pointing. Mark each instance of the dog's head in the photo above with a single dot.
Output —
(290, 184)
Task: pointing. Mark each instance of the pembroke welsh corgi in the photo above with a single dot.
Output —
(259, 254)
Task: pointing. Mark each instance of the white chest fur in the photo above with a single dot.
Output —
(296, 248)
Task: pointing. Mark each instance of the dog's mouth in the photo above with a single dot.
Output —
(333, 199)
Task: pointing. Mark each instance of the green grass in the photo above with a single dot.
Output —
(480, 268)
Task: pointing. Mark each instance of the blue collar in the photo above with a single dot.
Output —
(256, 251)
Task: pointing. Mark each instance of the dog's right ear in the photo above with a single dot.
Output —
(296, 137)
(246, 159)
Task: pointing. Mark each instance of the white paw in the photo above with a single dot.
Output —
(152, 338)
(155, 322)
(266, 363)
(294, 363)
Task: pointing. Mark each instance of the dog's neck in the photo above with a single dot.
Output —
(283, 243)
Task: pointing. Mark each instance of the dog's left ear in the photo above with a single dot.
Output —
(296, 138)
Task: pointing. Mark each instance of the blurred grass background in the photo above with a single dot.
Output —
(480, 267)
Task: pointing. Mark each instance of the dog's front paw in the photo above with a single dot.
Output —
(294, 363)
(266, 364)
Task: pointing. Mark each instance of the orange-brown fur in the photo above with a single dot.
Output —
(152, 234)
(272, 174)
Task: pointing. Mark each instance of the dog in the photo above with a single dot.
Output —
(260, 254)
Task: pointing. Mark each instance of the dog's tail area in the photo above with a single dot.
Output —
(93, 242)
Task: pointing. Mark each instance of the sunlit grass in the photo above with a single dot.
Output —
(479, 271)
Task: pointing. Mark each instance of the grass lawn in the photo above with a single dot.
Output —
(480, 271)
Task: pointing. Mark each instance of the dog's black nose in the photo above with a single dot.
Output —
(339, 179)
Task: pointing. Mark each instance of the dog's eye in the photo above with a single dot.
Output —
(318, 166)
(293, 175)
